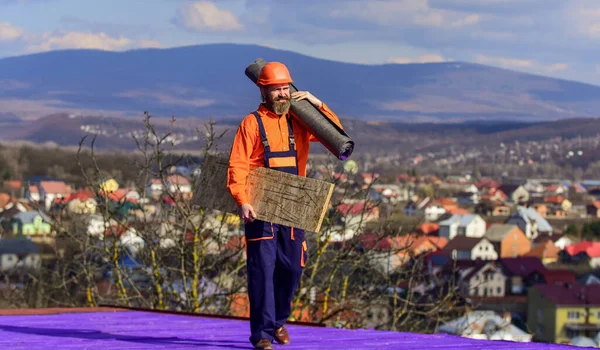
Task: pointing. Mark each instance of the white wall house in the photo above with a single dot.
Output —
(470, 225)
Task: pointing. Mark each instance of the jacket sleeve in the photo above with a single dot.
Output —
(331, 115)
(239, 160)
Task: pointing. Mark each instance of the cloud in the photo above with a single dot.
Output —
(84, 40)
(512, 63)
(398, 12)
(585, 17)
(8, 32)
(204, 16)
(80, 40)
(428, 58)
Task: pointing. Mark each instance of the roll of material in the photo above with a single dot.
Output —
(326, 131)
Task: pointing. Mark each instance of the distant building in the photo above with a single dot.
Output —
(530, 222)
(559, 313)
(471, 225)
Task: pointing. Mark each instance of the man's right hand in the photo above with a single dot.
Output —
(248, 214)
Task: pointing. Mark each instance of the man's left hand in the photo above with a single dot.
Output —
(305, 95)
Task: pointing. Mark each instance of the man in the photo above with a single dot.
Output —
(276, 254)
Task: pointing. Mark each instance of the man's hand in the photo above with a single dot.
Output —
(248, 214)
(305, 95)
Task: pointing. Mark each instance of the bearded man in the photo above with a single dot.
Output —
(276, 255)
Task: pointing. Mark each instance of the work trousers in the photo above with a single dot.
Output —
(276, 256)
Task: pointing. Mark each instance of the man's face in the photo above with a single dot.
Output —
(277, 98)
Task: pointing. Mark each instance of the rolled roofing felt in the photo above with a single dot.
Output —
(330, 135)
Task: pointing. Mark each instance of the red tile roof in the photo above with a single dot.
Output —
(571, 293)
(14, 184)
(591, 248)
(55, 187)
(81, 195)
(355, 208)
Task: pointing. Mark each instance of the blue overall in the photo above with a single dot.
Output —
(276, 255)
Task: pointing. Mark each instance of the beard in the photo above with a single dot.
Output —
(281, 106)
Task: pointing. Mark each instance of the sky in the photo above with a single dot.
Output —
(557, 38)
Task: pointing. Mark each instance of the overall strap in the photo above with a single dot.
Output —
(263, 134)
(291, 133)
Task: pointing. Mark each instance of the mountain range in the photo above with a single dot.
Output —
(206, 81)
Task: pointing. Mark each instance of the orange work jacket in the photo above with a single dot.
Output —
(247, 150)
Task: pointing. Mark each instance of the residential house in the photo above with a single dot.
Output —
(534, 187)
(517, 270)
(390, 253)
(408, 246)
(509, 240)
(32, 194)
(172, 184)
(559, 313)
(485, 279)
(577, 194)
(16, 253)
(7, 215)
(485, 184)
(430, 208)
(556, 189)
(516, 193)
(97, 225)
(469, 195)
(541, 209)
(51, 190)
(530, 222)
(31, 223)
(354, 215)
(495, 194)
(389, 193)
(546, 276)
(560, 241)
(583, 252)
(593, 209)
(81, 202)
(558, 203)
(485, 325)
(471, 225)
(178, 184)
(546, 251)
(429, 229)
(489, 207)
(470, 248)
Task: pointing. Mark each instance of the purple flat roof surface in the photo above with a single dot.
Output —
(150, 330)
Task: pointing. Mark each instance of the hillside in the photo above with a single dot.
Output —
(208, 81)
(384, 138)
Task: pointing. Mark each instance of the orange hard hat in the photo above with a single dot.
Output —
(274, 73)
